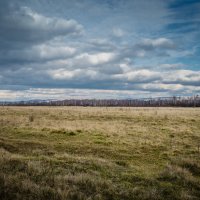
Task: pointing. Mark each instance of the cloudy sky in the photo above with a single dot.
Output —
(99, 48)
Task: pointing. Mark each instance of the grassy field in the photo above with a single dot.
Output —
(99, 153)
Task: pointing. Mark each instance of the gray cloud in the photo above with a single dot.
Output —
(36, 53)
(23, 25)
(161, 43)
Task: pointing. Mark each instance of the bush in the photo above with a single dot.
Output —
(31, 118)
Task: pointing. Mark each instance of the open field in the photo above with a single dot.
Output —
(99, 153)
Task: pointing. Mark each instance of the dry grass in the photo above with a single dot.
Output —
(99, 153)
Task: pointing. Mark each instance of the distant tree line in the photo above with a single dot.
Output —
(193, 101)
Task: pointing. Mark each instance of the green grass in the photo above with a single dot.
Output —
(99, 153)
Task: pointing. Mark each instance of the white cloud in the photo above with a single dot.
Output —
(46, 51)
(44, 93)
(118, 32)
(144, 90)
(142, 75)
(63, 74)
(161, 86)
(125, 67)
(95, 59)
(184, 77)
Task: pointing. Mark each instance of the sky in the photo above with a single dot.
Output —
(99, 49)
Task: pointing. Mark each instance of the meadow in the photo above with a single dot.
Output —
(98, 153)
